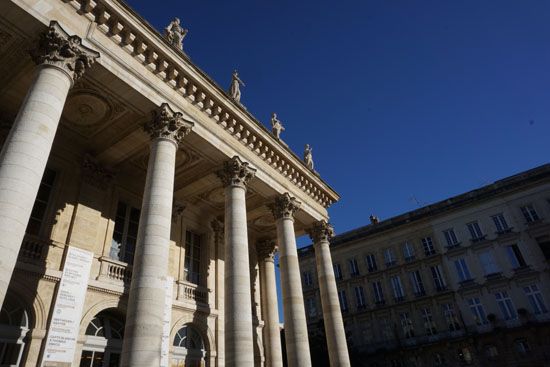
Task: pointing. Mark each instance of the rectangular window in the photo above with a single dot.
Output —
(192, 257)
(123, 244)
(378, 293)
(406, 325)
(40, 206)
(505, 305)
(488, 262)
(386, 330)
(353, 267)
(408, 251)
(478, 311)
(371, 263)
(337, 271)
(417, 284)
(428, 245)
(475, 231)
(308, 280)
(462, 270)
(360, 297)
(437, 275)
(429, 324)
(343, 300)
(311, 306)
(450, 316)
(500, 223)
(389, 257)
(535, 299)
(397, 287)
(516, 258)
(529, 213)
(451, 238)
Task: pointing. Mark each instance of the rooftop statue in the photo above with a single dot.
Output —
(276, 126)
(308, 157)
(175, 34)
(235, 89)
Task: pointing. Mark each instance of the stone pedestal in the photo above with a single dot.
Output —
(239, 347)
(296, 336)
(332, 315)
(272, 334)
(144, 318)
(61, 59)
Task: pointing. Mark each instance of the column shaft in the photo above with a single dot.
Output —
(144, 318)
(239, 349)
(296, 336)
(23, 161)
(270, 308)
(332, 315)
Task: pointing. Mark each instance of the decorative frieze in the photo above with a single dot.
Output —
(266, 250)
(168, 124)
(94, 174)
(235, 172)
(57, 48)
(322, 231)
(284, 206)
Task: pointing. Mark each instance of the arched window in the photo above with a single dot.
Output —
(189, 350)
(14, 326)
(103, 343)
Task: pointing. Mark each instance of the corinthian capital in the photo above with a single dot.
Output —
(218, 229)
(236, 173)
(57, 48)
(266, 250)
(284, 206)
(168, 124)
(321, 232)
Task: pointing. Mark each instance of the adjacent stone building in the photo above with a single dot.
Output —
(141, 205)
(464, 281)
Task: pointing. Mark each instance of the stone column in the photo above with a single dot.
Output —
(332, 315)
(217, 228)
(239, 347)
(272, 334)
(296, 336)
(144, 317)
(61, 60)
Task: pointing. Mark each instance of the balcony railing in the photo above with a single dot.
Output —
(33, 249)
(192, 292)
(114, 271)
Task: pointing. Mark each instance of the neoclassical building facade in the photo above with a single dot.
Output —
(461, 282)
(141, 206)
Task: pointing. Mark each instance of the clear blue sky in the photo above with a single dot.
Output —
(399, 99)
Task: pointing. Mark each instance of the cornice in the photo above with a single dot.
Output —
(135, 36)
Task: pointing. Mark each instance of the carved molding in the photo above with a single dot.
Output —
(235, 172)
(218, 230)
(57, 48)
(266, 250)
(177, 210)
(284, 206)
(322, 231)
(96, 175)
(168, 124)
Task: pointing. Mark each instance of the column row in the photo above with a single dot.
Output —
(62, 59)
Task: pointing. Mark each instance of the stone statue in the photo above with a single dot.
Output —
(374, 219)
(276, 126)
(235, 90)
(175, 34)
(308, 157)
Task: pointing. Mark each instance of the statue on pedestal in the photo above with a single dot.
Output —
(235, 89)
(276, 126)
(175, 34)
(308, 157)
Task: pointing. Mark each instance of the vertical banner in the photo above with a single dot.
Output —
(67, 311)
(165, 348)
